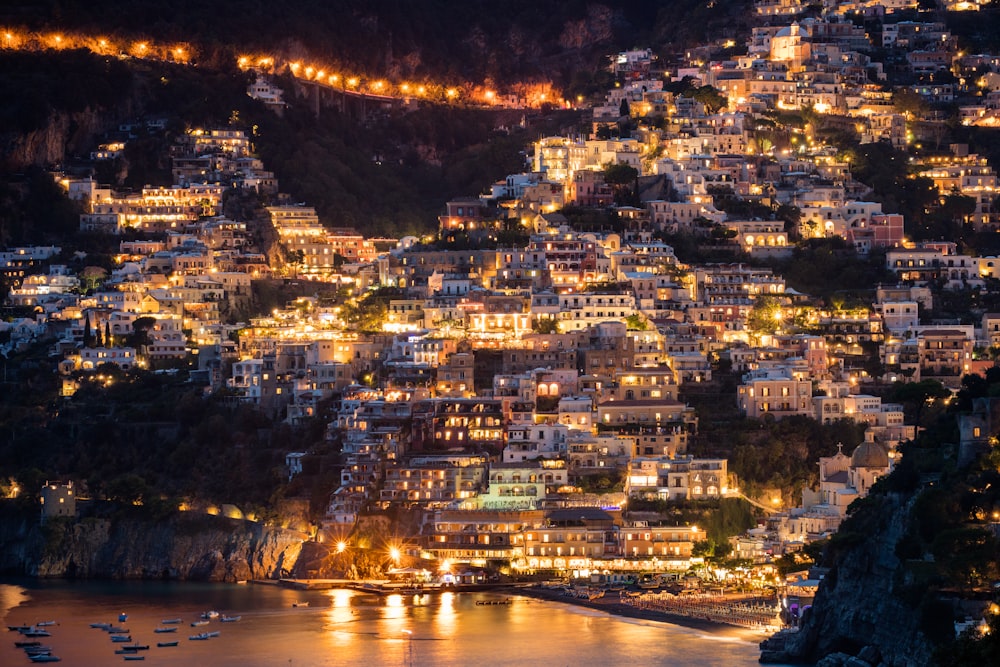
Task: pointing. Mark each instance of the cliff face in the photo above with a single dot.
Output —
(857, 611)
(65, 134)
(187, 547)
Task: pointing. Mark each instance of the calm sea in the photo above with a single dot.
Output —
(342, 627)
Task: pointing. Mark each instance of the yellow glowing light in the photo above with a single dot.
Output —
(352, 82)
(341, 546)
(242, 62)
(295, 67)
(334, 78)
(405, 87)
(452, 93)
(309, 71)
(421, 90)
(394, 553)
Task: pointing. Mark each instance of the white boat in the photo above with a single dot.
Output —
(213, 634)
(210, 614)
(203, 635)
(35, 632)
(195, 624)
(230, 619)
(162, 630)
(42, 624)
(300, 604)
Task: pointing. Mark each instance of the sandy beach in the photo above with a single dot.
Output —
(611, 605)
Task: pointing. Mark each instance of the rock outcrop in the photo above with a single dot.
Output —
(187, 547)
(858, 615)
(64, 134)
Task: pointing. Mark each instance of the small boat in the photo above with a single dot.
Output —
(44, 658)
(125, 651)
(101, 626)
(165, 644)
(203, 635)
(170, 621)
(122, 617)
(300, 604)
(44, 624)
(210, 614)
(195, 624)
(163, 630)
(135, 657)
(27, 644)
(121, 639)
(136, 647)
(229, 619)
(36, 632)
(37, 650)
(18, 628)
(115, 630)
(213, 634)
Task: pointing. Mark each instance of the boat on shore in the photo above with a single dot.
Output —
(166, 644)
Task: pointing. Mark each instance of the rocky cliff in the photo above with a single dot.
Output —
(859, 616)
(63, 135)
(187, 546)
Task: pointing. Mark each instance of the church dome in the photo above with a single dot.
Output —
(870, 455)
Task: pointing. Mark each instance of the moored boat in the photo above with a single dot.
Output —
(28, 644)
(125, 651)
(101, 626)
(35, 632)
(166, 644)
(44, 658)
(230, 619)
(170, 621)
(195, 624)
(300, 604)
(210, 614)
(163, 630)
(136, 647)
(198, 637)
(121, 639)
(43, 624)
(135, 657)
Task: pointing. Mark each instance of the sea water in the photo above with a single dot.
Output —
(344, 627)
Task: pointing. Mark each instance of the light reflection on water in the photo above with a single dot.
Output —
(344, 627)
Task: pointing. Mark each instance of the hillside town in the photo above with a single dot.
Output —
(521, 375)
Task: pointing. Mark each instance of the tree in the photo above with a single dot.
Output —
(88, 333)
(624, 111)
(545, 325)
(624, 180)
